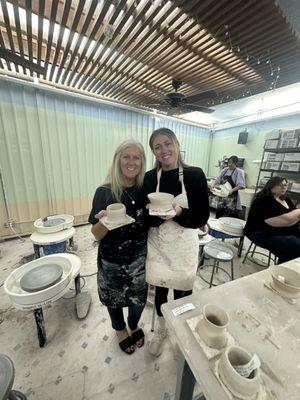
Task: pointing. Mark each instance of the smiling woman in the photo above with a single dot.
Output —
(172, 256)
(122, 251)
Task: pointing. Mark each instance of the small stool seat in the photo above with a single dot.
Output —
(7, 376)
(219, 252)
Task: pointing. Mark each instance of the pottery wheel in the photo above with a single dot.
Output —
(41, 277)
(53, 222)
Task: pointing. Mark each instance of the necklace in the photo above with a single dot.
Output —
(132, 200)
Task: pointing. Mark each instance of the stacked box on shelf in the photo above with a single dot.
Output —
(275, 156)
(295, 187)
(291, 157)
(274, 165)
(271, 144)
(290, 166)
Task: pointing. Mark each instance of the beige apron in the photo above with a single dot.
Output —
(172, 255)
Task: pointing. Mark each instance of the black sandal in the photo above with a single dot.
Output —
(138, 335)
(127, 345)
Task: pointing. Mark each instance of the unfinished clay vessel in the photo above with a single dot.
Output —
(240, 386)
(213, 327)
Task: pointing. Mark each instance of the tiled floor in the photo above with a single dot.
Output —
(81, 359)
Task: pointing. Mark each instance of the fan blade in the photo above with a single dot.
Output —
(8, 55)
(208, 94)
(187, 108)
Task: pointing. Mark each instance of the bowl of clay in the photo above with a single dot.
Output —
(285, 280)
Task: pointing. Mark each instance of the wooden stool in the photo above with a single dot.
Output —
(7, 376)
(218, 252)
(270, 256)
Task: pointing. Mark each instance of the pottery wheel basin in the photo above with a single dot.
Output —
(41, 277)
(41, 280)
(53, 223)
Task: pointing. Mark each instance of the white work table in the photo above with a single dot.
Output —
(261, 321)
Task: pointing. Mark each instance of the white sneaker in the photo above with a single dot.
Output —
(156, 343)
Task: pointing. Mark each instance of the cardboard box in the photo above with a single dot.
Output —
(271, 144)
(272, 165)
(291, 157)
(289, 134)
(275, 157)
(274, 134)
(295, 187)
(290, 166)
(288, 143)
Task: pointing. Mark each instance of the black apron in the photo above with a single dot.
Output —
(226, 206)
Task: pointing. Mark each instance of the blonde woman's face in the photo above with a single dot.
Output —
(166, 152)
(131, 163)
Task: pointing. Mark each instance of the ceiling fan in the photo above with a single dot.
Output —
(9, 56)
(175, 103)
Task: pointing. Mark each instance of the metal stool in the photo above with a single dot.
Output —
(7, 376)
(218, 252)
(151, 302)
(270, 256)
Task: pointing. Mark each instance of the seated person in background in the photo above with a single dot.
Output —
(273, 221)
(230, 206)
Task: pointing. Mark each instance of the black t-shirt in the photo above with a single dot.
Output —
(125, 244)
(196, 188)
(266, 207)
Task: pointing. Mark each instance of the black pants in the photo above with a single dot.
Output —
(117, 317)
(286, 248)
(161, 297)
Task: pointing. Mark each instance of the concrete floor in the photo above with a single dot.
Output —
(82, 360)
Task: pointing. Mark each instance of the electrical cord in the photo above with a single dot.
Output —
(13, 230)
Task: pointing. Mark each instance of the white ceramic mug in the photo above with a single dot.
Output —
(213, 327)
(116, 213)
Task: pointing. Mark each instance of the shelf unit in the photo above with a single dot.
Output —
(280, 171)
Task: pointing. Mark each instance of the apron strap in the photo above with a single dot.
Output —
(180, 175)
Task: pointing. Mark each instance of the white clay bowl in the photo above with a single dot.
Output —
(39, 225)
(232, 225)
(238, 385)
(285, 280)
(161, 200)
(70, 265)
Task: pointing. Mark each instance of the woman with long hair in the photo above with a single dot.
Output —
(273, 221)
(172, 255)
(122, 251)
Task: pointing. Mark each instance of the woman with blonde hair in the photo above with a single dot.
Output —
(122, 251)
(173, 248)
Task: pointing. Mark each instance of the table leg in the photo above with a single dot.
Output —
(77, 284)
(240, 248)
(185, 381)
(36, 249)
(40, 324)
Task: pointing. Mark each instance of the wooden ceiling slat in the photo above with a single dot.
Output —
(29, 31)
(18, 31)
(50, 33)
(60, 36)
(41, 11)
(83, 31)
(76, 19)
(8, 31)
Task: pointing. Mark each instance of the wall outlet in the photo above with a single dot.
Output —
(10, 223)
